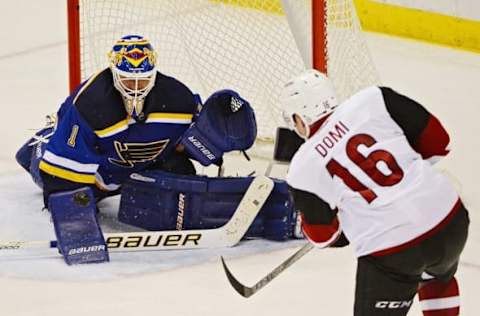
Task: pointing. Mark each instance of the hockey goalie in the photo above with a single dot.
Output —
(132, 130)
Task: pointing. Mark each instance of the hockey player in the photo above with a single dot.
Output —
(126, 119)
(365, 175)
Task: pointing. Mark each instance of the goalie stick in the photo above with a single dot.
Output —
(226, 236)
(247, 291)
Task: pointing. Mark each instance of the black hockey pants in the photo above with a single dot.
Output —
(386, 285)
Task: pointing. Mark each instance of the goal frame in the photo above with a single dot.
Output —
(319, 44)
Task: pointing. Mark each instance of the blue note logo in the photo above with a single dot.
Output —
(131, 153)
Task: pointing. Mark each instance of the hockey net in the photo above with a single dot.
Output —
(251, 46)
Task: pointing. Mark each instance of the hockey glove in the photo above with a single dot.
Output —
(225, 123)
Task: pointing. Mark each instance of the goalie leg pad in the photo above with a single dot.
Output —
(30, 154)
(79, 237)
(276, 219)
(156, 200)
(24, 155)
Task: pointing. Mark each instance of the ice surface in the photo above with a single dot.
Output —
(22, 218)
(34, 82)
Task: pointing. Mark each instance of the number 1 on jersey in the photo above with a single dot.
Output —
(368, 165)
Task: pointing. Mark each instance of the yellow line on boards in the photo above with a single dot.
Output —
(418, 24)
(396, 20)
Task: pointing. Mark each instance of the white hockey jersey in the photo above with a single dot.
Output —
(361, 162)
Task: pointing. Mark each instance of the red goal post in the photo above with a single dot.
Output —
(252, 46)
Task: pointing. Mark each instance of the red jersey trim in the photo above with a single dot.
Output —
(325, 244)
(433, 141)
(321, 235)
(422, 237)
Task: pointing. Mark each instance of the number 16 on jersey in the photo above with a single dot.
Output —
(368, 164)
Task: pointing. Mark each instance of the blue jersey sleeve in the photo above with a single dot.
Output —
(70, 153)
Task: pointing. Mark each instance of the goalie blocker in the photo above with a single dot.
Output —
(79, 236)
(157, 200)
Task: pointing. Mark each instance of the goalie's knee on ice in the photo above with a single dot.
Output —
(23, 156)
(30, 154)
(157, 200)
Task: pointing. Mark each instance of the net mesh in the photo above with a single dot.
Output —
(251, 46)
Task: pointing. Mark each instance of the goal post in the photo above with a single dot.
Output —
(73, 18)
(319, 35)
(251, 46)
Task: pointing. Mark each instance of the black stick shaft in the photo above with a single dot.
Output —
(246, 291)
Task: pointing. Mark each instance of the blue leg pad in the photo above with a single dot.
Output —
(29, 156)
(157, 200)
(23, 156)
(79, 237)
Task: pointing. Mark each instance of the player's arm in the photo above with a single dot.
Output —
(70, 160)
(423, 130)
(320, 223)
(68, 166)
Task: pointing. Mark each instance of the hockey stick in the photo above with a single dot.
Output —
(247, 291)
(226, 236)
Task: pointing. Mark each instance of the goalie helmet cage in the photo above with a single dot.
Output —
(251, 46)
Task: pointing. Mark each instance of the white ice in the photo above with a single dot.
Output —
(34, 81)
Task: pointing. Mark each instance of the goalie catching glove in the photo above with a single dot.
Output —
(225, 123)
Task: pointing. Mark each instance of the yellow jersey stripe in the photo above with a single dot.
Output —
(166, 117)
(176, 116)
(111, 129)
(67, 174)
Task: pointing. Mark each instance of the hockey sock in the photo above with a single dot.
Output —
(440, 299)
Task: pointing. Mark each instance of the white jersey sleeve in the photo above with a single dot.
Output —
(361, 162)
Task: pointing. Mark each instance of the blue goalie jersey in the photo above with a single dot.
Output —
(97, 143)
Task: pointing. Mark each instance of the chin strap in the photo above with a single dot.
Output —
(133, 108)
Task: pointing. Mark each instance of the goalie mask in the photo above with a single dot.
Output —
(311, 96)
(132, 62)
